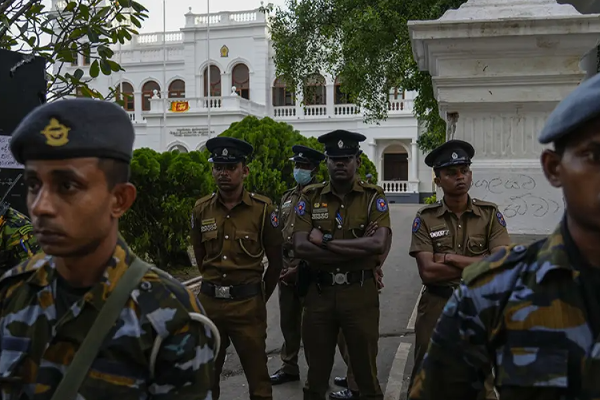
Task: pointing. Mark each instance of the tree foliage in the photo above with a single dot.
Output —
(271, 172)
(75, 28)
(168, 184)
(366, 42)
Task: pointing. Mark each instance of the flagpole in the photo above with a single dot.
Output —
(209, 83)
(165, 90)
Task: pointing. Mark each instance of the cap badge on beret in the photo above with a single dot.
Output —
(225, 152)
(56, 133)
(454, 156)
(300, 155)
(341, 144)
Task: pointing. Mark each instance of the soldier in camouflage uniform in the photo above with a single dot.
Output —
(76, 155)
(533, 311)
(17, 242)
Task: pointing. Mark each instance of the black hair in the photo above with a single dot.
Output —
(115, 171)
(436, 171)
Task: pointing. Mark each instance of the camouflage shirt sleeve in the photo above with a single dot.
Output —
(185, 363)
(458, 355)
(19, 243)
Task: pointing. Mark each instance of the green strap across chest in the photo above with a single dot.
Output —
(78, 370)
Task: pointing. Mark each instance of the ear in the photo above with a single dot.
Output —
(358, 161)
(124, 195)
(551, 164)
(436, 180)
(245, 170)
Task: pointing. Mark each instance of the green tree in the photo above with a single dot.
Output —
(87, 28)
(271, 172)
(366, 42)
(168, 184)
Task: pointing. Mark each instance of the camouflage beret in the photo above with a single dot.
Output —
(74, 129)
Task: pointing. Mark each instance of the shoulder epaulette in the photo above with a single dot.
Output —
(261, 198)
(431, 206)
(313, 187)
(371, 186)
(506, 258)
(483, 203)
(26, 267)
(204, 199)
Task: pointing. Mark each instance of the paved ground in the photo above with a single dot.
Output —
(398, 303)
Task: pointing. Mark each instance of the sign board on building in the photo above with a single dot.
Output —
(191, 132)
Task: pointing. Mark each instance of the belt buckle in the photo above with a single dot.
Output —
(223, 292)
(340, 278)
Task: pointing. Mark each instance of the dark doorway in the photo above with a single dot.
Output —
(395, 167)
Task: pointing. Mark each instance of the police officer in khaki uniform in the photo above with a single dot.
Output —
(330, 222)
(306, 164)
(232, 230)
(448, 236)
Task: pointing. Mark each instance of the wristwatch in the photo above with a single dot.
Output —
(326, 239)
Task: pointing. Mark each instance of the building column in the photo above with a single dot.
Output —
(330, 99)
(414, 161)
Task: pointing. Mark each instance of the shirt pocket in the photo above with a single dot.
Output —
(533, 367)
(357, 226)
(477, 245)
(210, 240)
(249, 243)
(444, 244)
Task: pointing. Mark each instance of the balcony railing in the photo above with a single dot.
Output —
(395, 107)
(201, 104)
(396, 186)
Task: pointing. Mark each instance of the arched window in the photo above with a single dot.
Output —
(315, 91)
(128, 100)
(215, 81)
(177, 89)
(340, 96)
(240, 78)
(178, 148)
(281, 95)
(147, 93)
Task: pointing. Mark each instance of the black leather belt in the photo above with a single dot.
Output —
(237, 292)
(440, 291)
(343, 278)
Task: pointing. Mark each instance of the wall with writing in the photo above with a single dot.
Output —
(529, 204)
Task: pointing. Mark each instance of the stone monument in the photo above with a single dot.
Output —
(499, 67)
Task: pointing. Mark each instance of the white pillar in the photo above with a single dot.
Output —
(414, 161)
(502, 87)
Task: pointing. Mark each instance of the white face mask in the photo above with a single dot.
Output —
(302, 176)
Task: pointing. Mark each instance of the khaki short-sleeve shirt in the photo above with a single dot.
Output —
(320, 208)
(234, 240)
(480, 229)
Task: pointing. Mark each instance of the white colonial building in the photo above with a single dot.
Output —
(243, 82)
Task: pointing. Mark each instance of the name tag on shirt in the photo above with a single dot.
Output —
(287, 204)
(439, 234)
